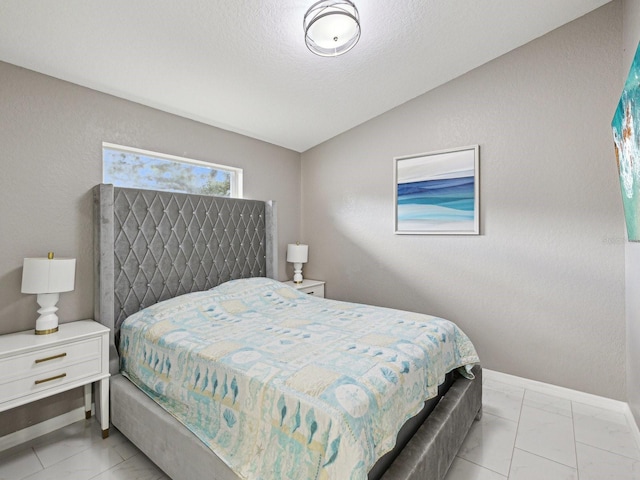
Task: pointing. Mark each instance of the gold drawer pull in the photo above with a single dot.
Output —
(40, 360)
(62, 375)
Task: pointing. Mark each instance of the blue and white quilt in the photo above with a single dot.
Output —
(285, 385)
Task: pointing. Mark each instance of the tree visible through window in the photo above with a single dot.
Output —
(134, 168)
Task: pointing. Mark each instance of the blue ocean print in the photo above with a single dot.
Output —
(626, 140)
(437, 196)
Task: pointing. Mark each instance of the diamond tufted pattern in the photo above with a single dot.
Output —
(167, 244)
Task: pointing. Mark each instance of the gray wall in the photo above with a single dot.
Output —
(51, 134)
(631, 36)
(541, 291)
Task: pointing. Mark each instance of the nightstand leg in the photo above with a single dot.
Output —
(87, 400)
(104, 407)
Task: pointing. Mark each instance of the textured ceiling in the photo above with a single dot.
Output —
(242, 65)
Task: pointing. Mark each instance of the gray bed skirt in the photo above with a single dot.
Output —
(182, 456)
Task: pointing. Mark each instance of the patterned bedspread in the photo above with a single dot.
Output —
(285, 385)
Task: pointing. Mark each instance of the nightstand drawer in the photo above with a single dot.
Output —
(33, 367)
(311, 287)
(315, 290)
(47, 359)
(51, 378)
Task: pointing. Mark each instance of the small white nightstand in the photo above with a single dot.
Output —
(38, 366)
(312, 287)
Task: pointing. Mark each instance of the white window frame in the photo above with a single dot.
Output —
(236, 183)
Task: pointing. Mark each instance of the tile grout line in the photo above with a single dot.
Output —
(546, 458)
(481, 466)
(618, 454)
(515, 439)
(42, 467)
(122, 460)
(545, 411)
(575, 441)
(86, 446)
(33, 449)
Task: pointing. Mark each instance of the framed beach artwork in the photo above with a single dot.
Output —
(626, 141)
(438, 193)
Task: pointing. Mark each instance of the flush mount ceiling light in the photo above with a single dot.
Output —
(331, 27)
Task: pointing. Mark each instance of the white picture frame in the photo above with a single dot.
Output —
(438, 193)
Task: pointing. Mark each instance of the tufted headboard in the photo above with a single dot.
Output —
(151, 246)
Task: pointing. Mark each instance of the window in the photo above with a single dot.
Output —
(134, 168)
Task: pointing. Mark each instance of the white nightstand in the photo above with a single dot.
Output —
(312, 287)
(38, 366)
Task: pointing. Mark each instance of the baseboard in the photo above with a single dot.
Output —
(34, 431)
(631, 420)
(573, 395)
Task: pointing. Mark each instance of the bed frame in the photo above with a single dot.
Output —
(151, 246)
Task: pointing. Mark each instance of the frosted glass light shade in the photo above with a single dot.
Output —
(48, 277)
(297, 253)
(331, 27)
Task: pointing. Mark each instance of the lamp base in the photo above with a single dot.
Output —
(46, 332)
(297, 273)
(47, 322)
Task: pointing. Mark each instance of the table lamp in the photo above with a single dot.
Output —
(48, 277)
(297, 254)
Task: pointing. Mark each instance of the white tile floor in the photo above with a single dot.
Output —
(523, 435)
(526, 435)
(78, 452)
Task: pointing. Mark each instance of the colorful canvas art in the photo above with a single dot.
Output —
(626, 138)
(437, 193)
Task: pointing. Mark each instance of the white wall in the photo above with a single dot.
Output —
(631, 36)
(541, 291)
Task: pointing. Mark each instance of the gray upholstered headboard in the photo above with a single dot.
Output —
(150, 246)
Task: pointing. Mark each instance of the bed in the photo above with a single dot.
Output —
(154, 246)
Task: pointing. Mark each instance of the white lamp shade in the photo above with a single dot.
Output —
(297, 253)
(43, 275)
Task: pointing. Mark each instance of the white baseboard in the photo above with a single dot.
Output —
(633, 424)
(569, 394)
(34, 431)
